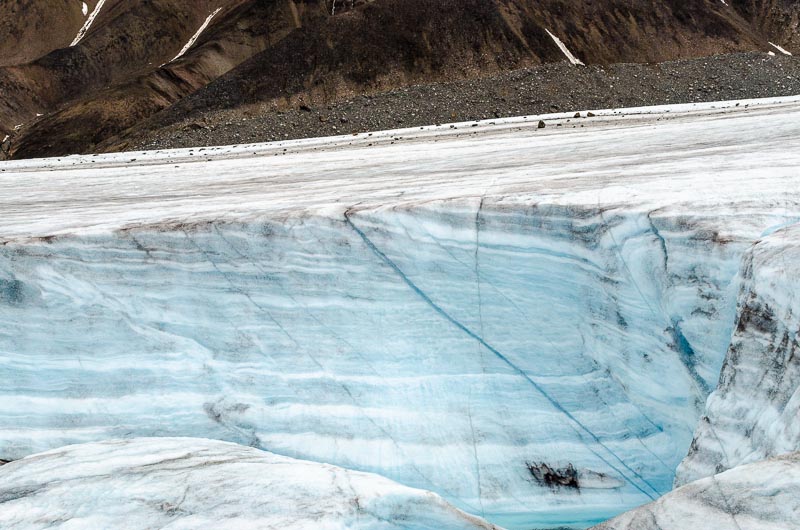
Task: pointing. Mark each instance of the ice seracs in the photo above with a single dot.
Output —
(187, 483)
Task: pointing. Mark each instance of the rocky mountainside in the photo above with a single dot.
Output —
(121, 68)
(778, 20)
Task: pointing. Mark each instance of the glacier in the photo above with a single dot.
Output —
(764, 495)
(185, 483)
(753, 414)
(465, 310)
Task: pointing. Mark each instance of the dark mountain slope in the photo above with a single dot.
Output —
(777, 20)
(392, 42)
(242, 31)
(32, 28)
(128, 36)
(283, 53)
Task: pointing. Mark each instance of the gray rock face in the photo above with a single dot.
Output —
(760, 496)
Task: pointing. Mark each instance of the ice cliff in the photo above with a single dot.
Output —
(526, 322)
(754, 412)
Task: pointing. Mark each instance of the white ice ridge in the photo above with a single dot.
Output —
(573, 161)
(780, 49)
(194, 38)
(760, 496)
(563, 47)
(189, 483)
(753, 413)
(88, 23)
(456, 309)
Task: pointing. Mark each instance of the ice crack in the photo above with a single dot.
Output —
(575, 423)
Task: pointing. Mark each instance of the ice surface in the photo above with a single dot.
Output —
(452, 311)
(760, 496)
(189, 483)
(754, 412)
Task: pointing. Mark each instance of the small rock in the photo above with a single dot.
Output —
(542, 124)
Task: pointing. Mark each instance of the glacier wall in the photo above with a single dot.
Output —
(753, 414)
(456, 345)
(524, 321)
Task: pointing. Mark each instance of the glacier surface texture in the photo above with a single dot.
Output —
(192, 484)
(526, 322)
(755, 411)
(761, 496)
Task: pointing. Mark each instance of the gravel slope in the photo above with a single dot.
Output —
(543, 89)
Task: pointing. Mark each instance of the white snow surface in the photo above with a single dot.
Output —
(563, 47)
(443, 307)
(760, 496)
(84, 8)
(197, 34)
(88, 24)
(189, 483)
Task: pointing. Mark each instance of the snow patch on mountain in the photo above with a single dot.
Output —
(780, 49)
(525, 322)
(88, 24)
(563, 47)
(197, 34)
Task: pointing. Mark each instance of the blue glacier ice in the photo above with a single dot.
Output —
(455, 315)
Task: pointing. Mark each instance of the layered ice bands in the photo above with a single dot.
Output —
(526, 322)
(754, 412)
